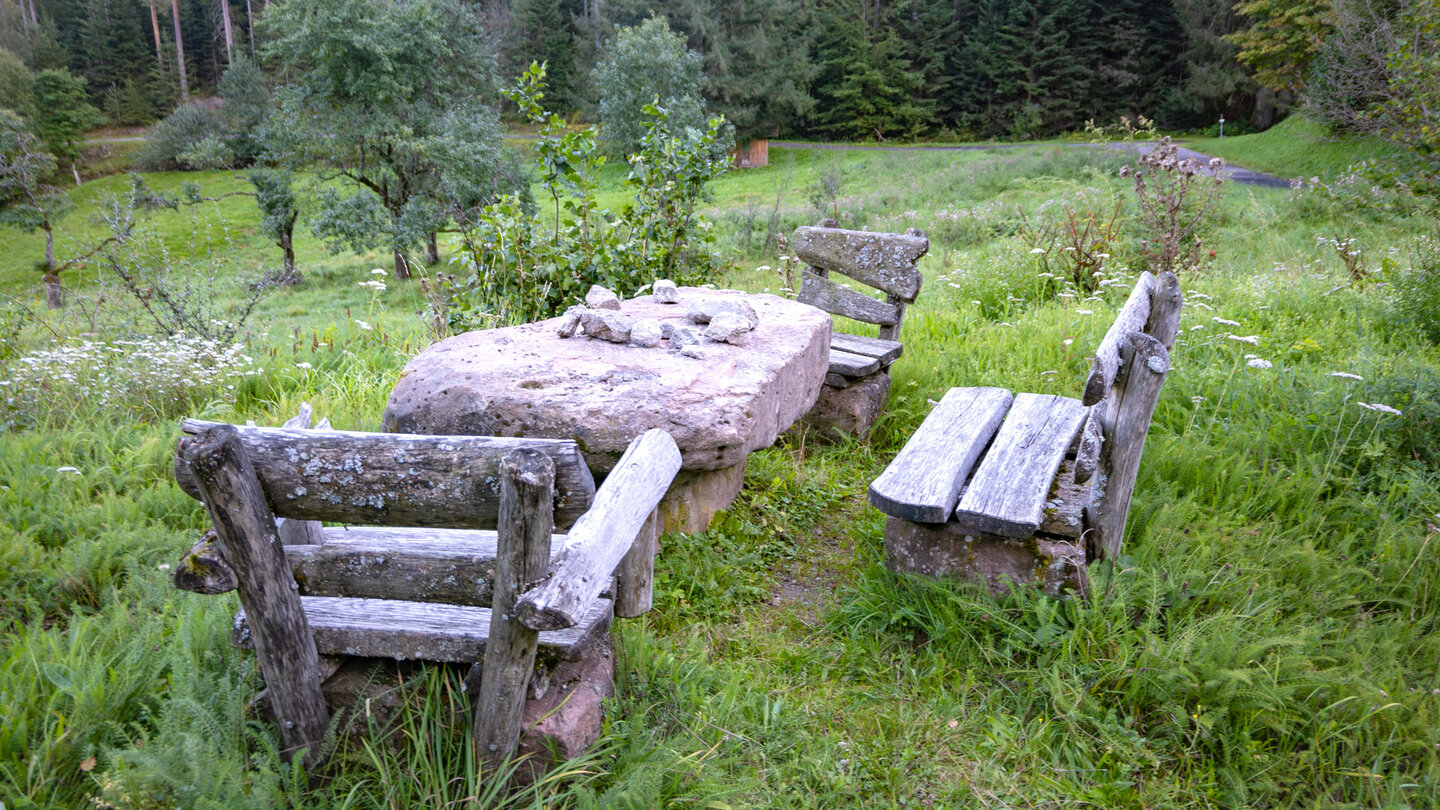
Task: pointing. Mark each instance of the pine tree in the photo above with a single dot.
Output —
(865, 87)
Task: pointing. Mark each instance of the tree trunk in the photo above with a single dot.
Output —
(288, 247)
(229, 32)
(250, 19)
(34, 12)
(432, 250)
(155, 29)
(180, 53)
(54, 295)
(402, 268)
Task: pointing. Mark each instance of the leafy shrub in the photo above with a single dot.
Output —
(523, 267)
(646, 63)
(192, 137)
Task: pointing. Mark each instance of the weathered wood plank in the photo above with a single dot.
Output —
(885, 261)
(1064, 513)
(245, 527)
(1007, 494)
(1092, 441)
(1166, 302)
(885, 351)
(635, 576)
(1131, 318)
(925, 477)
(601, 537)
(396, 478)
(301, 532)
(825, 294)
(458, 573)
(527, 483)
(852, 365)
(419, 631)
(203, 569)
(1149, 363)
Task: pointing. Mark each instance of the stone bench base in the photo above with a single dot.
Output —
(849, 411)
(944, 550)
(696, 495)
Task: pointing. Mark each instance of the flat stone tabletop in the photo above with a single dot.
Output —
(528, 381)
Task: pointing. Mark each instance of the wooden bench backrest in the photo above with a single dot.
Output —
(1123, 387)
(885, 261)
(396, 479)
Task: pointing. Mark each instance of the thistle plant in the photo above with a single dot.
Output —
(1174, 195)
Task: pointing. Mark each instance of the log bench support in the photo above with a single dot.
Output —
(1006, 489)
(467, 577)
(857, 387)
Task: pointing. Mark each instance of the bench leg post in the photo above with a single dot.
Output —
(527, 493)
(245, 527)
(635, 576)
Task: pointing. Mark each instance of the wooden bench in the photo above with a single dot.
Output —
(1028, 488)
(451, 558)
(858, 382)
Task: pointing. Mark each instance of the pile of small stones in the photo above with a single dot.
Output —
(725, 320)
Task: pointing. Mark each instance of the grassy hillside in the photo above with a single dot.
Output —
(1268, 639)
(1295, 148)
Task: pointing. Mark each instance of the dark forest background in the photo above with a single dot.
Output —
(826, 69)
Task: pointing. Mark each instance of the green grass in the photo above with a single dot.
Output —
(1268, 639)
(1295, 148)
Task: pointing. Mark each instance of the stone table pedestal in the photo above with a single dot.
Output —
(719, 406)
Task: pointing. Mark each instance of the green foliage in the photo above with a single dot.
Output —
(279, 209)
(1417, 288)
(191, 137)
(30, 201)
(647, 63)
(62, 113)
(524, 268)
(865, 87)
(393, 100)
(1282, 39)
(17, 84)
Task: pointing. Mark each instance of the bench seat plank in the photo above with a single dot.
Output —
(925, 478)
(852, 365)
(387, 628)
(886, 351)
(825, 294)
(1064, 513)
(1008, 492)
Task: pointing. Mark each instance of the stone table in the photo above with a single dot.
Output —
(719, 406)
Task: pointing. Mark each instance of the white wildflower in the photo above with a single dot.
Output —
(1218, 319)
(1197, 326)
(1253, 340)
(1048, 373)
(1379, 408)
(1256, 362)
(71, 470)
(1085, 312)
(363, 325)
(379, 271)
(304, 366)
(1037, 250)
(1346, 375)
(1197, 400)
(1067, 341)
(374, 284)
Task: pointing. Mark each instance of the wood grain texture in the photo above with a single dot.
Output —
(825, 294)
(885, 351)
(892, 331)
(1131, 318)
(635, 576)
(1092, 441)
(301, 532)
(601, 537)
(852, 365)
(925, 478)
(459, 573)
(527, 483)
(1166, 303)
(1006, 495)
(245, 528)
(397, 479)
(1149, 363)
(885, 261)
(420, 631)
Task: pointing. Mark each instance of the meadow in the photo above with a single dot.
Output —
(1268, 638)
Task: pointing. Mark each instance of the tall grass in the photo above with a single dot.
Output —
(1268, 638)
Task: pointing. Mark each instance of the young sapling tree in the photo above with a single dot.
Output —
(30, 202)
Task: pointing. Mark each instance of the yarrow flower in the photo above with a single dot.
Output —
(1379, 408)
(1253, 340)
(1037, 250)
(375, 284)
(379, 271)
(303, 365)
(363, 325)
(71, 470)
(1256, 362)
(1346, 375)
(1218, 319)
